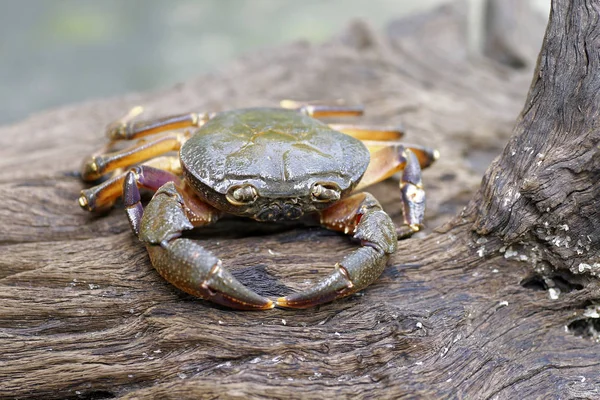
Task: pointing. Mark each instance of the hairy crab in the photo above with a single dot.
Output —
(268, 164)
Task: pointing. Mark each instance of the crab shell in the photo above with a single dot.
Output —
(280, 155)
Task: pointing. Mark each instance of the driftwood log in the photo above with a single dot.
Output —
(497, 302)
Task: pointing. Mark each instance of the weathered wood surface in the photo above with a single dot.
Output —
(457, 314)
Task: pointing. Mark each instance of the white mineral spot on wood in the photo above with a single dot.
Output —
(553, 293)
(510, 253)
(481, 251)
(592, 312)
(582, 267)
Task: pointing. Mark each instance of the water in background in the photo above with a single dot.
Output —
(55, 52)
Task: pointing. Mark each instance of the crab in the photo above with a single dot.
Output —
(267, 164)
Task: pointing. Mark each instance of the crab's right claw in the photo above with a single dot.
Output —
(182, 262)
(198, 272)
(362, 215)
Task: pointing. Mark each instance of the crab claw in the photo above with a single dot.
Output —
(325, 291)
(183, 262)
(363, 215)
(191, 268)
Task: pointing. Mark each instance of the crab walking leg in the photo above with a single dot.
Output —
(96, 166)
(146, 177)
(425, 155)
(323, 110)
(361, 132)
(183, 262)
(104, 195)
(388, 158)
(126, 129)
(361, 215)
(413, 197)
(386, 161)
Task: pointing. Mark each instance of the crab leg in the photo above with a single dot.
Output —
(362, 132)
(104, 195)
(183, 262)
(339, 109)
(361, 215)
(96, 166)
(413, 197)
(126, 129)
(388, 159)
(317, 110)
(146, 177)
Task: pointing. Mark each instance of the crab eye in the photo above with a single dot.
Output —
(243, 194)
(323, 192)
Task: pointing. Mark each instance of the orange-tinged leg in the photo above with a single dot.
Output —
(387, 158)
(364, 132)
(362, 216)
(322, 110)
(96, 166)
(425, 155)
(339, 109)
(101, 197)
(125, 128)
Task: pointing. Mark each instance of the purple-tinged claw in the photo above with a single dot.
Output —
(330, 288)
(377, 235)
(183, 262)
(195, 270)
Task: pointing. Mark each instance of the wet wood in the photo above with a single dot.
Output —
(496, 302)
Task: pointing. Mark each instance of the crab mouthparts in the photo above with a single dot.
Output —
(279, 210)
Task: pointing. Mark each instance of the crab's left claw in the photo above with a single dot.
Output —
(362, 215)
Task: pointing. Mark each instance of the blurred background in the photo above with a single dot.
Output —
(56, 52)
